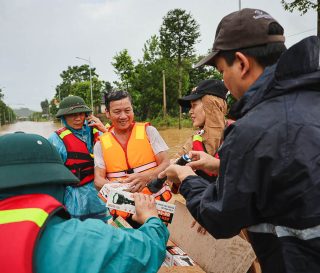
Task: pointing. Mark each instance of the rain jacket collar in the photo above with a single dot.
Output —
(298, 67)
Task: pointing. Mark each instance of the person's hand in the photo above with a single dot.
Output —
(137, 181)
(200, 229)
(176, 173)
(203, 161)
(145, 207)
(96, 123)
(173, 161)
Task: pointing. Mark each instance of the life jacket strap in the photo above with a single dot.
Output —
(139, 169)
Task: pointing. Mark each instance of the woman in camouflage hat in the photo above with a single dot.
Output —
(74, 143)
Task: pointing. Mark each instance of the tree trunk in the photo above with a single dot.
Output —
(164, 94)
(180, 94)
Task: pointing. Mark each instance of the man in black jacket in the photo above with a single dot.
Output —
(269, 167)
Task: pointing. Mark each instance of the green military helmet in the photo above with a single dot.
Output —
(30, 159)
(72, 105)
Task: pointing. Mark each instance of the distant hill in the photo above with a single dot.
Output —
(23, 112)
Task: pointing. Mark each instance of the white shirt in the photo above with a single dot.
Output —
(157, 144)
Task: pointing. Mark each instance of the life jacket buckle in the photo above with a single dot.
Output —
(129, 171)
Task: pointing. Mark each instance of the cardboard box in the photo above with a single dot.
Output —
(182, 260)
(171, 252)
(123, 201)
(181, 269)
(233, 255)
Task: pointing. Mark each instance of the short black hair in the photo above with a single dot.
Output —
(265, 55)
(114, 96)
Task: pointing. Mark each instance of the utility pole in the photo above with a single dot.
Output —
(179, 92)
(88, 61)
(164, 94)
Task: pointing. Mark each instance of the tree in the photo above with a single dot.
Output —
(1, 94)
(202, 73)
(73, 74)
(108, 87)
(45, 107)
(124, 68)
(179, 33)
(303, 6)
(76, 81)
(147, 83)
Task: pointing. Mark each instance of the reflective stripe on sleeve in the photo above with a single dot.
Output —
(36, 215)
(282, 231)
(65, 133)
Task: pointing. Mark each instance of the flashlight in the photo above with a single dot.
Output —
(156, 184)
(119, 199)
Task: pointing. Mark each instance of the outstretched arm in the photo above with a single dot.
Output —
(115, 250)
(140, 180)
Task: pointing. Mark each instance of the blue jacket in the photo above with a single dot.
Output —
(269, 178)
(74, 246)
(81, 202)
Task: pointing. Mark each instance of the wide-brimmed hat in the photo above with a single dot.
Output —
(242, 29)
(72, 105)
(207, 87)
(29, 159)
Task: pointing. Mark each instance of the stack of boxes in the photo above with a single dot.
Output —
(175, 256)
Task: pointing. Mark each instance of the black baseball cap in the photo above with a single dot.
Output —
(242, 29)
(207, 87)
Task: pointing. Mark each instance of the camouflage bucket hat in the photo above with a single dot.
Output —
(72, 105)
(29, 159)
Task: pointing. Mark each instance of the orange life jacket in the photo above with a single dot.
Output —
(22, 219)
(136, 157)
(79, 160)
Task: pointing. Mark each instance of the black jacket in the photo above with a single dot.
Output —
(269, 177)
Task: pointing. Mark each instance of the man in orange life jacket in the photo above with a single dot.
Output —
(129, 152)
(37, 234)
(74, 143)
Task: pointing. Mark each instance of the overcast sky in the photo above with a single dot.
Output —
(41, 38)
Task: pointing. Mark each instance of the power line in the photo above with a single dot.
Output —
(301, 32)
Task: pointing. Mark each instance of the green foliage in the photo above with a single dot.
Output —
(303, 6)
(1, 94)
(37, 116)
(7, 115)
(124, 68)
(201, 73)
(171, 53)
(76, 81)
(169, 121)
(107, 86)
(147, 84)
(45, 107)
(54, 103)
(178, 34)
